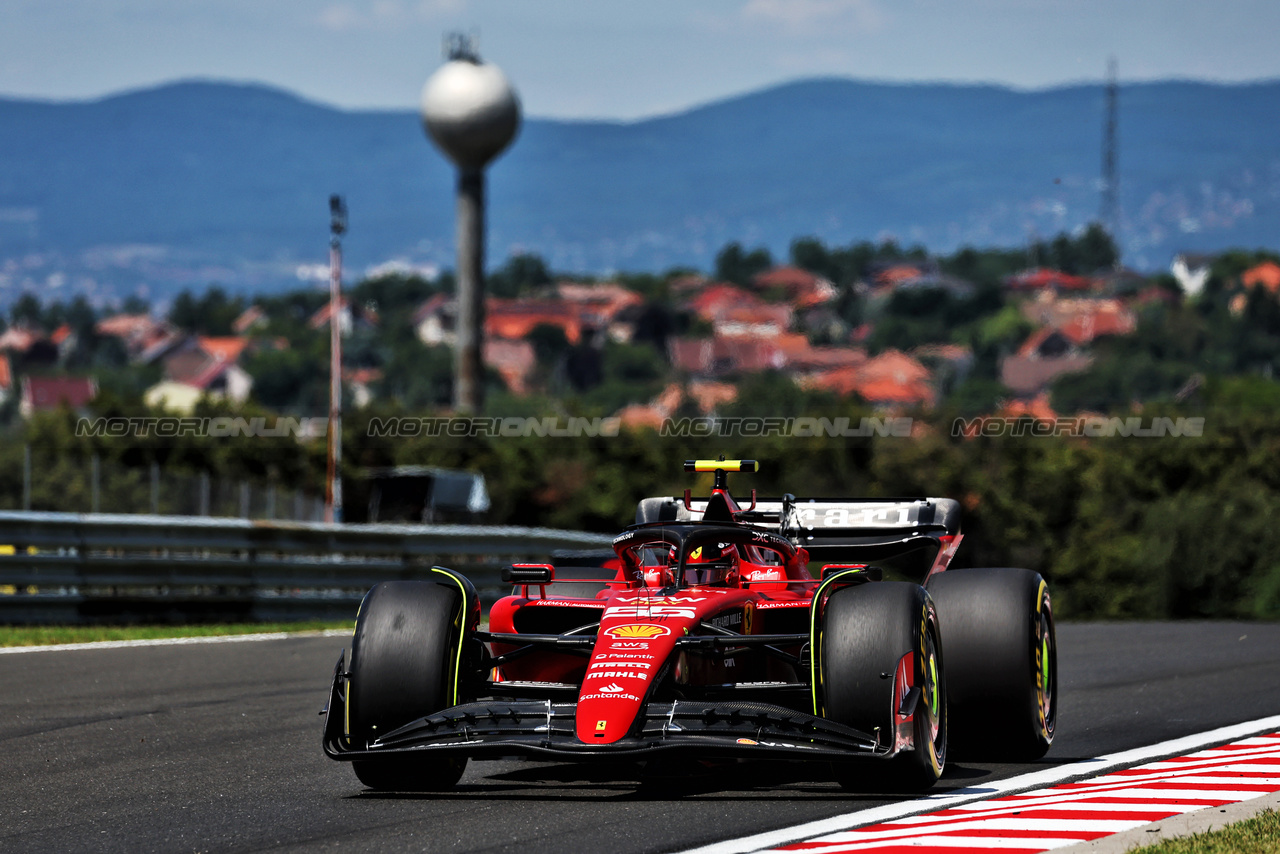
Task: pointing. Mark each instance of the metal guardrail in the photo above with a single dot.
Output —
(69, 567)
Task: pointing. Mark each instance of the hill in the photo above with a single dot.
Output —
(197, 182)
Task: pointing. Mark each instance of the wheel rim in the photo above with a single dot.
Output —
(1046, 674)
(932, 696)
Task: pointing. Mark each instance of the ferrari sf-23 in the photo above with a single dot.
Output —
(713, 631)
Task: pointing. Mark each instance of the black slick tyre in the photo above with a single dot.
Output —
(1001, 661)
(402, 668)
(866, 632)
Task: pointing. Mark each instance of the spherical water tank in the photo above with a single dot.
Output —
(471, 111)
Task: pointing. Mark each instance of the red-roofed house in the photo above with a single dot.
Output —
(1085, 327)
(892, 276)
(61, 335)
(705, 395)
(227, 348)
(202, 366)
(360, 381)
(803, 288)
(513, 360)
(1046, 355)
(1040, 278)
(891, 380)
(599, 303)
(42, 394)
(145, 338)
(1266, 275)
(1086, 318)
(19, 340)
(652, 414)
(6, 378)
(250, 319)
(710, 395)
(436, 321)
(724, 356)
(516, 318)
(717, 297)
(349, 316)
(733, 311)
(759, 321)
(1037, 407)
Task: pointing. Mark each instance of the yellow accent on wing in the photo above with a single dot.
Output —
(457, 666)
(720, 465)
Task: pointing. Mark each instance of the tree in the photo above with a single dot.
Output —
(522, 273)
(134, 304)
(26, 311)
(734, 265)
(210, 314)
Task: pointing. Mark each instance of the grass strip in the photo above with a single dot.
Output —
(44, 635)
(1257, 835)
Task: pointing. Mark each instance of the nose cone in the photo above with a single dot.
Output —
(471, 111)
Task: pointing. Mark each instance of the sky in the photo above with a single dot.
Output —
(594, 59)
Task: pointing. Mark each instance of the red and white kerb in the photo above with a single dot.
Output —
(1069, 813)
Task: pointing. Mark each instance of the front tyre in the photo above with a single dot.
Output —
(403, 662)
(882, 673)
(1002, 665)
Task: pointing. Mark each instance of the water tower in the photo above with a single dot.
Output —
(470, 110)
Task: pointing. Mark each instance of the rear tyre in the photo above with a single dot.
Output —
(402, 662)
(866, 632)
(1001, 661)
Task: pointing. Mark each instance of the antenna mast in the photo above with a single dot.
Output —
(1110, 212)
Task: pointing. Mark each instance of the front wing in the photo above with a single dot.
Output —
(545, 729)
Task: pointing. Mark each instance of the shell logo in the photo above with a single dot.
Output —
(636, 631)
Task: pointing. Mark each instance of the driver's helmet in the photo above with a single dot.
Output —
(712, 563)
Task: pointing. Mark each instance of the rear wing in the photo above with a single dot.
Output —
(833, 529)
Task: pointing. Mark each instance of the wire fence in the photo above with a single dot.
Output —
(75, 484)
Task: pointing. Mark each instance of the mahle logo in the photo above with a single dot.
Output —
(635, 631)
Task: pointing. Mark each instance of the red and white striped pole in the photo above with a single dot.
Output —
(333, 482)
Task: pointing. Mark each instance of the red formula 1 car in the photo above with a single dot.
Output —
(708, 634)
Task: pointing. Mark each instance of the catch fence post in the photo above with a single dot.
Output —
(96, 487)
(26, 477)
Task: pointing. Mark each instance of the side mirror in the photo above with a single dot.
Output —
(871, 573)
(529, 573)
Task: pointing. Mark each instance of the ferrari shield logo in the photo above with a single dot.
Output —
(600, 725)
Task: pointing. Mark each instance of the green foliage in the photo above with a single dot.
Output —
(211, 313)
(1085, 255)
(519, 275)
(1257, 835)
(735, 265)
(626, 373)
(26, 311)
(773, 394)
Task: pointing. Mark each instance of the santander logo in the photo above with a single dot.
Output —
(612, 688)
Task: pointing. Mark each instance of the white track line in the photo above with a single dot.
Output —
(1008, 786)
(126, 644)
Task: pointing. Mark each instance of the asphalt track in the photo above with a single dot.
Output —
(216, 747)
